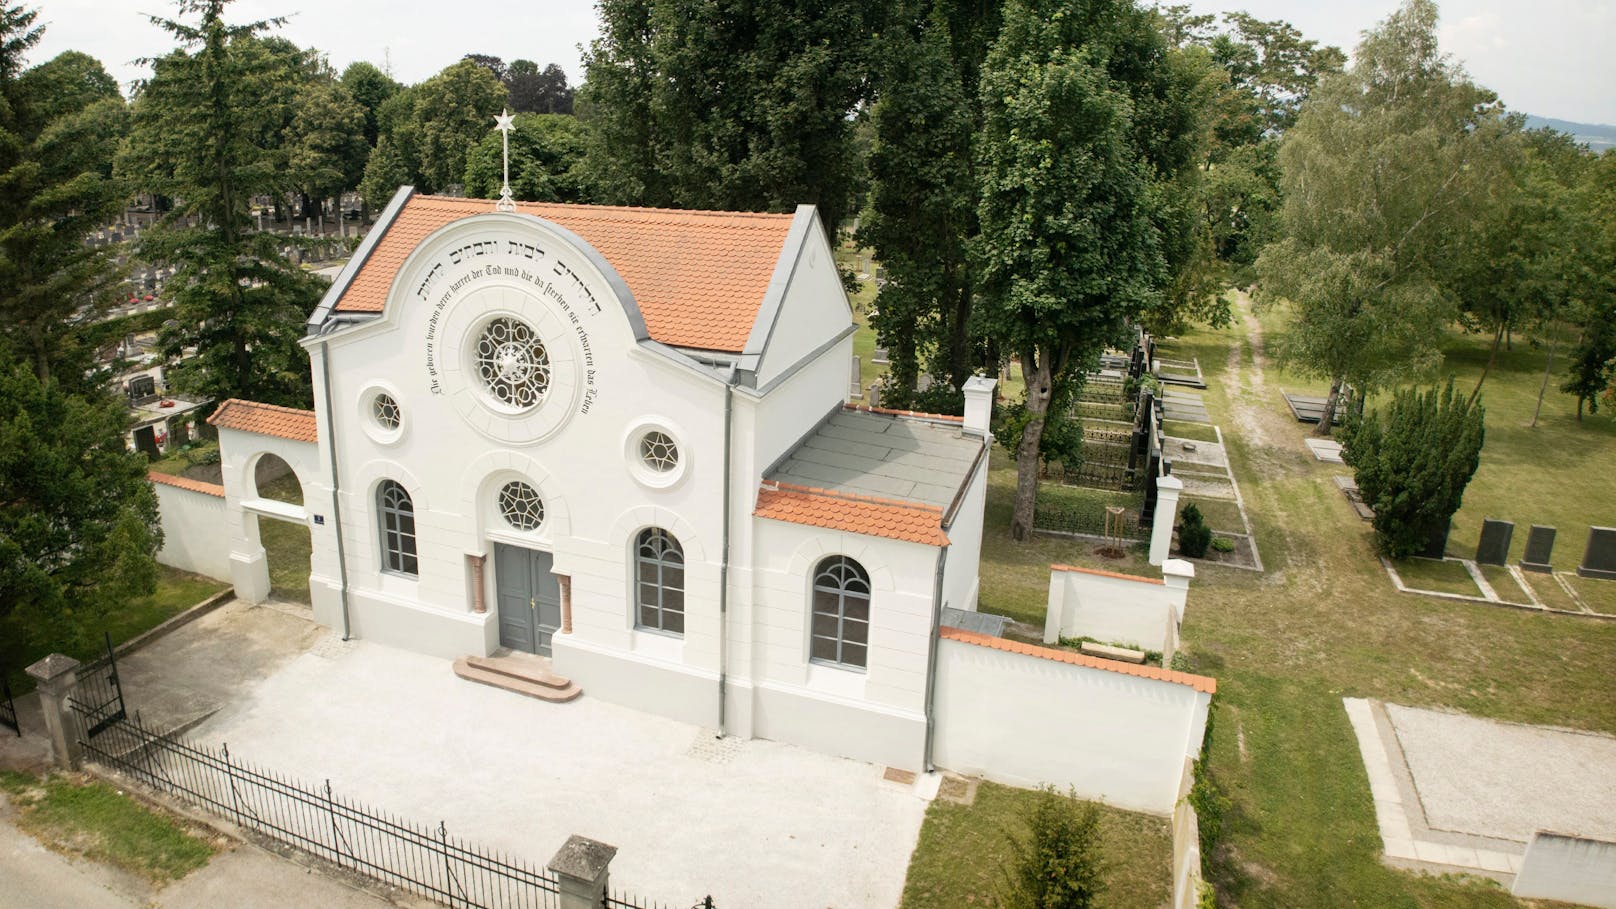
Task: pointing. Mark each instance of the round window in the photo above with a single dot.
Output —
(385, 411)
(658, 451)
(512, 363)
(521, 505)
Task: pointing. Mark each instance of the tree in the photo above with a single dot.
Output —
(547, 153)
(325, 144)
(1056, 863)
(199, 137)
(922, 207)
(78, 521)
(1085, 127)
(1413, 459)
(1385, 164)
(369, 87)
(1591, 277)
(59, 125)
(429, 129)
(538, 92)
(727, 105)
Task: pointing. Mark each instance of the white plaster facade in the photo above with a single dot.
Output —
(731, 416)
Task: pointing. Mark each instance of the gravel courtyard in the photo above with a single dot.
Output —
(753, 823)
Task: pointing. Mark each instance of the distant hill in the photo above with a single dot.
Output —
(1597, 136)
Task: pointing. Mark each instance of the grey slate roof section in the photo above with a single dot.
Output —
(980, 622)
(892, 457)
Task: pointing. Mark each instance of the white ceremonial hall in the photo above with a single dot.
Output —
(616, 438)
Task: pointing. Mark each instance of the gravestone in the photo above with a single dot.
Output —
(880, 356)
(1599, 559)
(855, 388)
(146, 442)
(1494, 546)
(1436, 545)
(1539, 546)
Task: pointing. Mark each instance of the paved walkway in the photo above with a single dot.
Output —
(1457, 793)
(753, 823)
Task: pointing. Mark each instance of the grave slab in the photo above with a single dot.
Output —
(1494, 546)
(1327, 450)
(1599, 559)
(1539, 546)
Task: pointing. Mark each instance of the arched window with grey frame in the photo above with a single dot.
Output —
(395, 518)
(659, 581)
(841, 613)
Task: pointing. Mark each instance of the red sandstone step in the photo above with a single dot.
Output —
(521, 666)
(553, 688)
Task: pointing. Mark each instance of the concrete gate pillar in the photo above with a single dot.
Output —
(580, 867)
(54, 678)
(1161, 531)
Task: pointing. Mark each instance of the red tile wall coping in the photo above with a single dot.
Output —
(852, 513)
(266, 419)
(1107, 574)
(1201, 683)
(168, 479)
(864, 408)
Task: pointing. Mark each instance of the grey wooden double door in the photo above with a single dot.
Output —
(529, 598)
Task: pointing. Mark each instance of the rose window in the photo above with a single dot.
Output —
(521, 505)
(659, 452)
(512, 363)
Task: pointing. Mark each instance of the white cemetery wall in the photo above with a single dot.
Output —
(1026, 720)
(193, 531)
(240, 454)
(1116, 608)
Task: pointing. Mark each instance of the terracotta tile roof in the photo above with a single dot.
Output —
(266, 420)
(1107, 574)
(904, 413)
(1200, 683)
(699, 276)
(168, 479)
(868, 515)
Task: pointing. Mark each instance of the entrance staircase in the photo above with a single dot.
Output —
(522, 673)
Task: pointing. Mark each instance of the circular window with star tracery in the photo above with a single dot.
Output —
(521, 506)
(512, 363)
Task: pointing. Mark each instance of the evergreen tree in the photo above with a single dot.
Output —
(727, 105)
(78, 520)
(1413, 459)
(1056, 863)
(200, 136)
(59, 124)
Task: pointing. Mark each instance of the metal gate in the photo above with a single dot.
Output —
(98, 696)
(8, 707)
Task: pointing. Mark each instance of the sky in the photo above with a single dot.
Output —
(1552, 58)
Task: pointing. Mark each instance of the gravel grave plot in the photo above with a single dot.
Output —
(1507, 780)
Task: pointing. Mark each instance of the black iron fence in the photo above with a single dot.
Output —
(98, 696)
(8, 707)
(419, 859)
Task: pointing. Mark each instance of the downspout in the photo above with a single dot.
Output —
(931, 659)
(336, 486)
(723, 565)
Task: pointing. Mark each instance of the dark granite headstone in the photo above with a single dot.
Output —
(1436, 545)
(1494, 546)
(1599, 560)
(1539, 546)
(146, 441)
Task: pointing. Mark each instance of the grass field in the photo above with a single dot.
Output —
(81, 817)
(1324, 622)
(286, 545)
(1443, 577)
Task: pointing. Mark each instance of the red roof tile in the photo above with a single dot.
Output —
(1200, 683)
(698, 276)
(168, 479)
(905, 413)
(1107, 574)
(852, 513)
(266, 420)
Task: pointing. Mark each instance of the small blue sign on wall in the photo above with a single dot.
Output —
(319, 519)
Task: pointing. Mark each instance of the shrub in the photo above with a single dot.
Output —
(1193, 534)
(1413, 459)
(1056, 863)
(1222, 544)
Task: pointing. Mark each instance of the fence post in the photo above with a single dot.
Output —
(1161, 531)
(581, 867)
(54, 678)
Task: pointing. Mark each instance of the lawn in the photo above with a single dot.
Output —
(1324, 622)
(176, 591)
(77, 816)
(963, 849)
(286, 545)
(1442, 577)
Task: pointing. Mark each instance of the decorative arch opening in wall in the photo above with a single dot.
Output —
(274, 479)
(483, 482)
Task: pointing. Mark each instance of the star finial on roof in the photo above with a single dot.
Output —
(505, 122)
